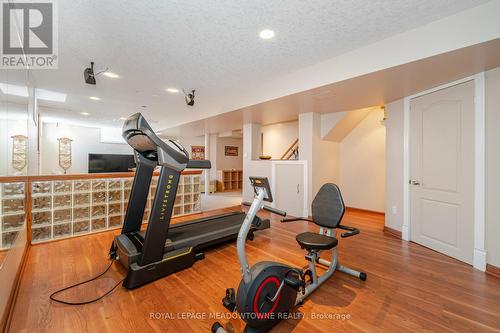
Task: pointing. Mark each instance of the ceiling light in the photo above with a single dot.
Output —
(123, 118)
(95, 98)
(173, 90)
(50, 95)
(84, 113)
(12, 89)
(266, 34)
(111, 75)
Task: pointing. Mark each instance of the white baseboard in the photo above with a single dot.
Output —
(479, 260)
(405, 232)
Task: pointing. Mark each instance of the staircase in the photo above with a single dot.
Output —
(292, 153)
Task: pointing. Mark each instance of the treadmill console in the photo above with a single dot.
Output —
(262, 182)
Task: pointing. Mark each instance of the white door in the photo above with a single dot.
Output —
(442, 171)
(289, 188)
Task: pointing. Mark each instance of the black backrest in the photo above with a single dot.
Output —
(328, 206)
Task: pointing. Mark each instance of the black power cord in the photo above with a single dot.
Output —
(84, 282)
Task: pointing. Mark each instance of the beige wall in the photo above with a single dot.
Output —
(493, 166)
(277, 138)
(323, 157)
(394, 180)
(362, 164)
(229, 162)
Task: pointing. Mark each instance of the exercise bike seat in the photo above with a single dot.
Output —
(314, 241)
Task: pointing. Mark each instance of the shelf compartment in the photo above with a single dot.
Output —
(115, 221)
(98, 210)
(41, 188)
(81, 185)
(41, 233)
(81, 213)
(81, 199)
(62, 230)
(98, 224)
(62, 186)
(98, 185)
(60, 201)
(114, 209)
(114, 184)
(127, 183)
(10, 206)
(98, 198)
(8, 238)
(62, 215)
(41, 203)
(12, 189)
(81, 227)
(41, 218)
(10, 222)
(126, 194)
(115, 195)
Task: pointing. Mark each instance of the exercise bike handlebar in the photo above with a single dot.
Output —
(269, 209)
(352, 231)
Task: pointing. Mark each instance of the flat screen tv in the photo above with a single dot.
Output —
(102, 163)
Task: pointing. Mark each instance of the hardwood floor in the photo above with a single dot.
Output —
(409, 288)
(3, 254)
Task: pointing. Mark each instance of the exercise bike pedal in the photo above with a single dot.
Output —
(229, 301)
(199, 256)
(294, 282)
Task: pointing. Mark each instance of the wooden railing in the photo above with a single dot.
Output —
(61, 206)
(291, 151)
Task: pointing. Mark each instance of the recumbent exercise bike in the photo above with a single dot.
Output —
(269, 290)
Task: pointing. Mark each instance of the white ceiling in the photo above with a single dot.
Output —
(212, 47)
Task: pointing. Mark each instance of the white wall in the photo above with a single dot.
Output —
(362, 164)
(85, 140)
(187, 142)
(394, 161)
(13, 121)
(394, 180)
(277, 138)
(493, 166)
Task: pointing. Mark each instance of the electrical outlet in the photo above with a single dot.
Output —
(394, 210)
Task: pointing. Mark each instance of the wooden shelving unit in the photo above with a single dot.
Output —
(229, 180)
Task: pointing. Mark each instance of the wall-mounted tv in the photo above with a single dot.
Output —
(102, 163)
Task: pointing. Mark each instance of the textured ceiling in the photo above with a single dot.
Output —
(210, 46)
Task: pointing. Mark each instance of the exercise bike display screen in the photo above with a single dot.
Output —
(262, 182)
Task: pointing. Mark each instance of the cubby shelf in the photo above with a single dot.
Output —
(12, 212)
(229, 180)
(74, 207)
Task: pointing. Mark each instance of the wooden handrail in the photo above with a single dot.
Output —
(13, 179)
(286, 156)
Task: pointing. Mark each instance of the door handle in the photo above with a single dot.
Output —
(414, 182)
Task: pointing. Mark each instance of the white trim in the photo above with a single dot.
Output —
(479, 259)
(479, 255)
(305, 208)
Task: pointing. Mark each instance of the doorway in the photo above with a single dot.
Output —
(442, 171)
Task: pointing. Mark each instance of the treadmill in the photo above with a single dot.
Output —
(163, 249)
